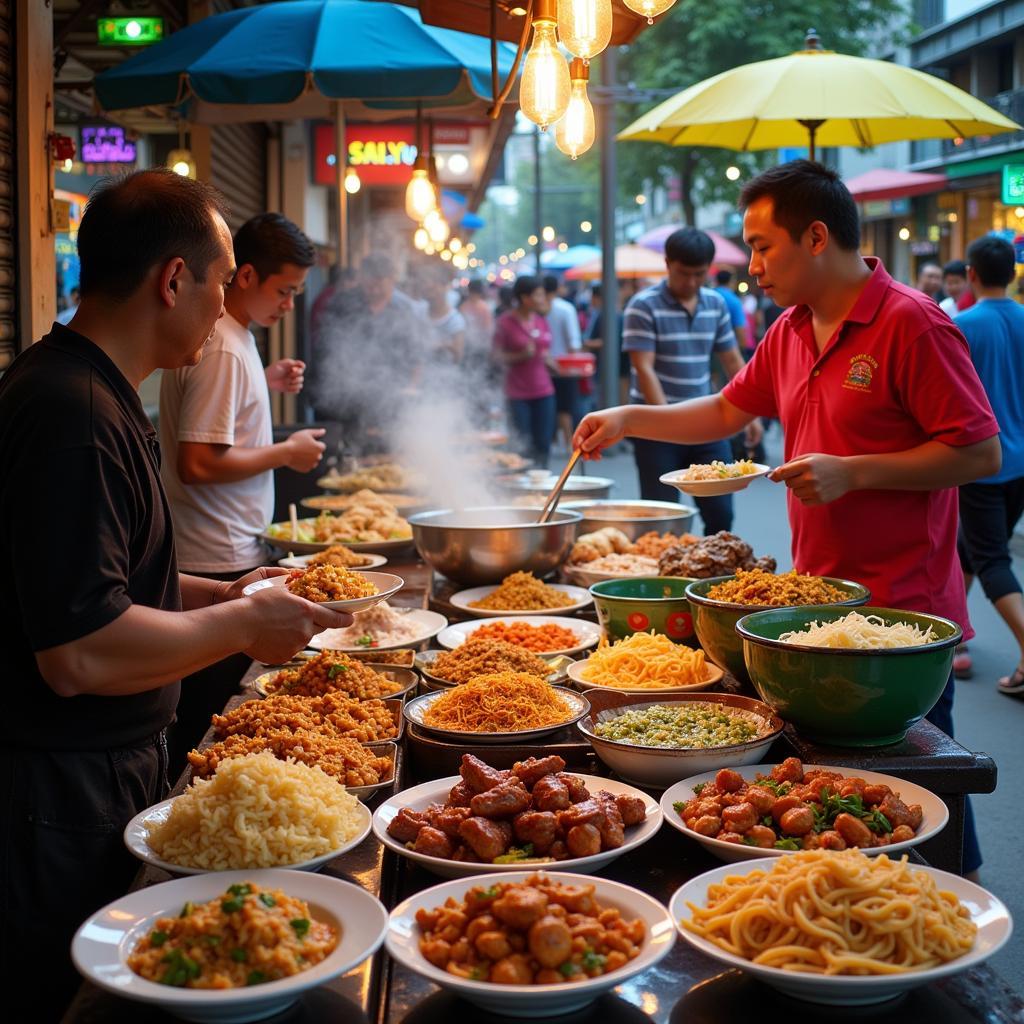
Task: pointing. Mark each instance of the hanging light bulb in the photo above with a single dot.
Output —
(437, 227)
(649, 9)
(353, 183)
(574, 133)
(584, 26)
(455, 244)
(420, 197)
(544, 87)
(420, 238)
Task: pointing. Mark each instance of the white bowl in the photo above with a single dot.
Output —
(385, 582)
(589, 633)
(709, 488)
(136, 838)
(936, 813)
(428, 623)
(403, 935)
(102, 944)
(712, 674)
(658, 767)
(302, 562)
(464, 599)
(987, 912)
(415, 710)
(420, 797)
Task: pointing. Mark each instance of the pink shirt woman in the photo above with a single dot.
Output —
(526, 339)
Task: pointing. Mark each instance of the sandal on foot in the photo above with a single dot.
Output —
(1013, 685)
(963, 667)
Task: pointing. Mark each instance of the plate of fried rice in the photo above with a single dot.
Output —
(232, 946)
(522, 593)
(254, 812)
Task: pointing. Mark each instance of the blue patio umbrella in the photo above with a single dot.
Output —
(575, 254)
(380, 54)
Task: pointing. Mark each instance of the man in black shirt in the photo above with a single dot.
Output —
(96, 624)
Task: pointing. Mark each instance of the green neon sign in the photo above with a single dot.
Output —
(129, 31)
(1013, 184)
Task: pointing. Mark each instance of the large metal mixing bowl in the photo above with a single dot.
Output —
(633, 518)
(483, 545)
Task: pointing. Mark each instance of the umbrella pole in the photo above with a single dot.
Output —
(812, 128)
(340, 162)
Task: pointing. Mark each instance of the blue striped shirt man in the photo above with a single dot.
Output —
(655, 321)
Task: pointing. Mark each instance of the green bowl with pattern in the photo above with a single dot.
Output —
(842, 696)
(644, 603)
(714, 622)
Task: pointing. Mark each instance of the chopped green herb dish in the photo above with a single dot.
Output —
(696, 725)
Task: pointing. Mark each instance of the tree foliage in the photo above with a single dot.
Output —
(696, 40)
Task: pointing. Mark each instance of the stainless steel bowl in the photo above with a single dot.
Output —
(577, 486)
(633, 518)
(483, 545)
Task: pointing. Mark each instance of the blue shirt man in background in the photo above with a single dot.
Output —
(737, 317)
(670, 332)
(990, 508)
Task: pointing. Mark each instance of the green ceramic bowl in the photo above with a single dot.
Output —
(643, 603)
(715, 621)
(840, 696)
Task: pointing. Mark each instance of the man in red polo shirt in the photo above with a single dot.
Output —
(882, 411)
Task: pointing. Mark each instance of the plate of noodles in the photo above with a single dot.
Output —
(645, 663)
(891, 925)
(709, 479)
(522, 593)
(382, 628)
(542, 634)
(295, 931)
(891, 814)
(442, 669)
(497, 708)
(254, 812)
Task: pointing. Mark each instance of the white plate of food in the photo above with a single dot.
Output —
(300, 582)
(377, 631)
(586, 634)
(576, 598)
(304, 561)
(934, 813)
(404, 504)
(655, 932)
(908, 894)
(705, 481)
(187, 908)
(325, 531)
(417, 799)
(136, 838)
(417, 712)
(404, 678)
(425, 664)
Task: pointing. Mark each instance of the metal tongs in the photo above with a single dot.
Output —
(552, 503)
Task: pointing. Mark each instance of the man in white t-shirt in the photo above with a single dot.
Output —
(216, 436)
(566, 339)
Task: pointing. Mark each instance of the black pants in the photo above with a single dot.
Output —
(655, 458)
(988, 514)
(62, 858)
(204, 693)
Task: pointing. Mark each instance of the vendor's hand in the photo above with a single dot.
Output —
(286, 375)
(303, 451)
(283, 623)
(816, 479)
(600, 430)
(753, 433)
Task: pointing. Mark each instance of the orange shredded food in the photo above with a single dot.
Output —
(500, 702)
(757, 587)
(548, 637)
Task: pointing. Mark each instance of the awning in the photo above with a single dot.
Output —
(887, 184)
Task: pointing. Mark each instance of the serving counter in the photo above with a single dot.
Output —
(686, 985)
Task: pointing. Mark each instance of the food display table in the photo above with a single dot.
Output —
(686, 986)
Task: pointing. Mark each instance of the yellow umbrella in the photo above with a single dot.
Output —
(633, 261)
(816, 97)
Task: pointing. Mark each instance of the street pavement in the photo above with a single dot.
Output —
(984, 719)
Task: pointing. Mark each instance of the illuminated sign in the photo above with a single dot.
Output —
(129, 31)
(106, 144)
(383, 154)
(1013, 184)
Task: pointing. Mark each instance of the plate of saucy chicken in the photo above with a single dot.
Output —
(767, 810)
(489, 820)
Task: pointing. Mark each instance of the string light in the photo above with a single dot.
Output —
(420, 238)
(544, 87)
(420, 197)
(732, 172)
(649, 9)
(437, 227)
(353, 183)
(574, 132)
(584, 26)
(548, 234)
(585, 226)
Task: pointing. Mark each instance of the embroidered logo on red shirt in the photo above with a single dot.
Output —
(858, 377)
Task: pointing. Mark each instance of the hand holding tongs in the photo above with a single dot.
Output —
(552, 503)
